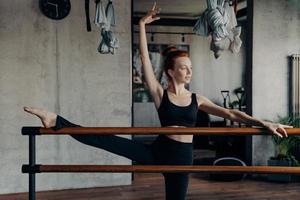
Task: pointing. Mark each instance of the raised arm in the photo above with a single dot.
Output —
(241, 117)
(155, 88)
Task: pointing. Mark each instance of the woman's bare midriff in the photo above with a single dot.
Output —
(181, 138)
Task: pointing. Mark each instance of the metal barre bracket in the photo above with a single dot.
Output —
(31, 169)
(31, 130)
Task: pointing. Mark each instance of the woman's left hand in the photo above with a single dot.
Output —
(277, 129)
(151, 15)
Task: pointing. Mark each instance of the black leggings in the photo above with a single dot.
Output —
(163, 151)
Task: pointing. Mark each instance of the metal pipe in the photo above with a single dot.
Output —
(32, 164)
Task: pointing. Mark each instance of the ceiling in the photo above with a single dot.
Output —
(175, 8)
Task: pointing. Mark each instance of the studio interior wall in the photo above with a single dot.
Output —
(55, 65)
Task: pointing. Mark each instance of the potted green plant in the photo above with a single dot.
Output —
(285, 149)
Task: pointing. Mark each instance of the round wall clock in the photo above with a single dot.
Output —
(55, 9)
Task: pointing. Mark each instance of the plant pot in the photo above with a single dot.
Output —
(286, 178)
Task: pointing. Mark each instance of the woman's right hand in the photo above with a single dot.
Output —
(151, 15)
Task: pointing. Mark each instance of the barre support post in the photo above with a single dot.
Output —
(32, 165)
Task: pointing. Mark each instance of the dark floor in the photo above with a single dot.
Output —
(150, 186)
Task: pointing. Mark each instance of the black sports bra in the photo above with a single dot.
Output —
(173, 115)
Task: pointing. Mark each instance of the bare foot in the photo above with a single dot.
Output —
(48, 118)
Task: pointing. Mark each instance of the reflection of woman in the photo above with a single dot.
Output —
(176, 106)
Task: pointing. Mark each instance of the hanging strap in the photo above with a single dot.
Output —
(110, 14)
(87, 15)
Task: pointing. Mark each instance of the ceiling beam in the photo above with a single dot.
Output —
(168, 22)
(181, 21)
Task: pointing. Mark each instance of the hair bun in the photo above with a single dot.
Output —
(168, 50)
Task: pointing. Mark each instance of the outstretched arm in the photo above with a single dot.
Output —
(241, 117)
(155, 88)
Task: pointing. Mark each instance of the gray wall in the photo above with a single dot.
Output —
(55, 65)
(276, 35)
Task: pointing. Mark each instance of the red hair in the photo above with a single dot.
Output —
(171, 54)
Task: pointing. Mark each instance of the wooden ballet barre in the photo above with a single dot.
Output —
(160, 169)
(32, 168)
(150, 131)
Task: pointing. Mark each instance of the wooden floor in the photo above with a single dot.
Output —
(151, 187)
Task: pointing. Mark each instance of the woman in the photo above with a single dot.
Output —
(176, 106)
